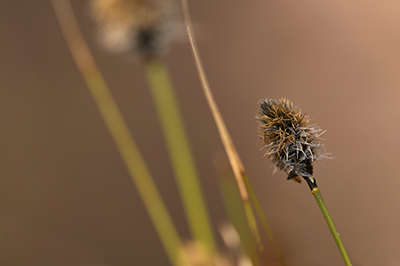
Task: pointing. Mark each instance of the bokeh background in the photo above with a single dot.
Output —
(65, 195)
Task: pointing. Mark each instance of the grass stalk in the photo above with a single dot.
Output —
(233, 156)
(237, 215)
(328, 219)
(264, 221)
(179, 151)
(119, 131)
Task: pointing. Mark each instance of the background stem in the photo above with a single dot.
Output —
(125, 143)
(180, 152)
(264, 221)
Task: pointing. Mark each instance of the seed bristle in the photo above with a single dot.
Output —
(291, 143)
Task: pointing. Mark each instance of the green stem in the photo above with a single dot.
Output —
(264, 221)
(251, 220)
(179, 151)
(321, 204)
(119, 131)
(236, 214)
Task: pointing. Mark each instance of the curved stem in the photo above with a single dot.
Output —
(233, 156)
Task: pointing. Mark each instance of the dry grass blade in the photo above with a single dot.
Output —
(233, 156)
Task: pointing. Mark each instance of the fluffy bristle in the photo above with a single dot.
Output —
(291, 143)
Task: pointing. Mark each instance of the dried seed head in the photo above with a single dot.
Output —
(140, 27)
(291, 143)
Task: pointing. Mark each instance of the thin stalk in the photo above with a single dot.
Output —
(179, 151)
(264, 221)
(119, 131)
(328, 219)
(236, 213)
(233, 156)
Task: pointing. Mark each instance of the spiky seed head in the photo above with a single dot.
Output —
(291, 143)
(142, 28)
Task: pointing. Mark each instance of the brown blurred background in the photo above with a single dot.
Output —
(65, 195)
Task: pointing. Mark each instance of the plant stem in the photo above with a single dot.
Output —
(179, 151)
(264, 221)
(126, 145)
(233, 156)
(322, 206)
(236, 213)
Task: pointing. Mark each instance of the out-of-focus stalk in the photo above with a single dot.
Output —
(180, 152)
(126, 145)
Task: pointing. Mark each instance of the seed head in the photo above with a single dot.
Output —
(142, 28)
(291, 143)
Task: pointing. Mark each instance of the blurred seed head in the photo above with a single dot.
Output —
(291, 143)
(195, 254)
(142, 28)
(231, 239)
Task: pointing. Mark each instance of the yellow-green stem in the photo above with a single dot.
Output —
(126, 145)
(179, 151)
(264, 221)
(332, 228)
(251, 220)
(236, 213)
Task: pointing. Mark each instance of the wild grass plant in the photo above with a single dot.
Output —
(143, 28)
(292, 144)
